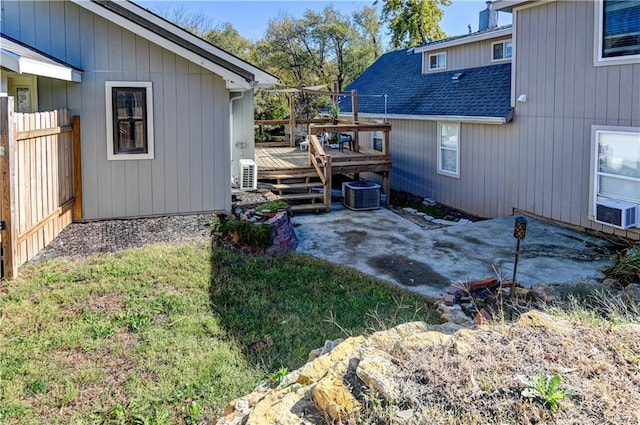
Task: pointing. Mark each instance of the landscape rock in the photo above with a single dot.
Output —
(633, 291)
(380, 373)
(333, 397)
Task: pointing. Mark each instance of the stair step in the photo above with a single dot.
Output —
(300, 196)
(269, 176)
(284, 186)
(309, 208)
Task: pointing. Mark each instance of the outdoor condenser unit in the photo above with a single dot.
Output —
(361, 195)
(248, 174)
(618, 214)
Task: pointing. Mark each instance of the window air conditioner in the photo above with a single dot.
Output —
(248, 174)
(622, 215)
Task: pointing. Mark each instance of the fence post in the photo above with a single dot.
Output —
(77, 170)
(7, 177)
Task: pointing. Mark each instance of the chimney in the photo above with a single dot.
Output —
(488, 18)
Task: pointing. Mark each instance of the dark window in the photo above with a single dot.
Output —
(621, 28)
(130, 120)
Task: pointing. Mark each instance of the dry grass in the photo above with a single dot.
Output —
(596, 352)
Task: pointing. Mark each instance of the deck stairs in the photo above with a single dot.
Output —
(296, 188)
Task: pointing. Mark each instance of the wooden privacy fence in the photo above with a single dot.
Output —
(41, 186)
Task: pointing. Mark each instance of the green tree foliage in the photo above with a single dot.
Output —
(228, 38)
(319, 48)
(413, 22)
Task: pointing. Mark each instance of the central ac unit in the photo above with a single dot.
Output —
(248, 174)
(622, 215)
(361, 195)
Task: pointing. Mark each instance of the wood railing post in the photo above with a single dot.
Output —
(77, 170)
(7, 175)
(327, 183)
(292, 121)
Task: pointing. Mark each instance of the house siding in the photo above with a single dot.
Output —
(566, 95)
(471, 55)
(191, 113)
(485, 186)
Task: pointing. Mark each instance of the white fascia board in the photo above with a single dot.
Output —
(464, 40)
(16, 63)
(43, 69)
(508, 5)
(163, 42)
(10, 60)
(443, 118)
(259, 74)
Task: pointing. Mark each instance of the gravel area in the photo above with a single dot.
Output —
(80, 240)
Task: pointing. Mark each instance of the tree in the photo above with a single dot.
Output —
(194, 21)
(369, 23)
(228, 38)
(413, 22)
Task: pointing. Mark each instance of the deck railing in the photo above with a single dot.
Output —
(321, 162)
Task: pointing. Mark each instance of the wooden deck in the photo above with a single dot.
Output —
(286, 158)
(293, 174)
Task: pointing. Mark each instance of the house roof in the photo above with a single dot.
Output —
(481, 95)
(238, 73)
(23, 59)
(508, 5)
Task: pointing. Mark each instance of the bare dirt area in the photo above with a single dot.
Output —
(80, 240)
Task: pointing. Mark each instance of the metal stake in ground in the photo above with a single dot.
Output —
(519, 232)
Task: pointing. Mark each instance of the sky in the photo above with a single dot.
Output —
(251, 18)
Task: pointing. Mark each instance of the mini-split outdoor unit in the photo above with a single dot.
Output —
(248, 174)
(361, 195)
(622, 215)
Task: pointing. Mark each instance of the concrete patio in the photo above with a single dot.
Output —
(385, 244)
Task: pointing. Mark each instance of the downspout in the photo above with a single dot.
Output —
(231, 100)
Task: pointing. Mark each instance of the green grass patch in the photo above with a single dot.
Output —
(170, 334)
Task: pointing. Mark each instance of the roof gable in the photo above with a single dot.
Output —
(482, 93)
(237, 72)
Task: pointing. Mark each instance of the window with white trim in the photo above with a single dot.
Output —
(618, 32)
(129, 106)
(617, 164)
(501, 50)
(438, 61)
(377, 137)
(449, 149)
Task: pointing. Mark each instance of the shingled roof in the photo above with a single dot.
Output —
(482, 93)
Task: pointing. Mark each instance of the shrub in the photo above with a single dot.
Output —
(273, 206)
(247, 233)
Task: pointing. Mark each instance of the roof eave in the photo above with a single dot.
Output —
(508, 5)
(29, 66)
(243, 81)
(443, 118)
(464, 40)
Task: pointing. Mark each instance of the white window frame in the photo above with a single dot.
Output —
(442, 171)
(504, 49)
(598, 60)
(377, 135)
(596, 131)
(111, 155)
(437, 68)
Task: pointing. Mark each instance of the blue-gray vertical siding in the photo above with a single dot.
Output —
(566, 95)
(466, 55)
(483, 189)
(190, 171)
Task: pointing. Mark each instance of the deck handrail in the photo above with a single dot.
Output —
(322, 164)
